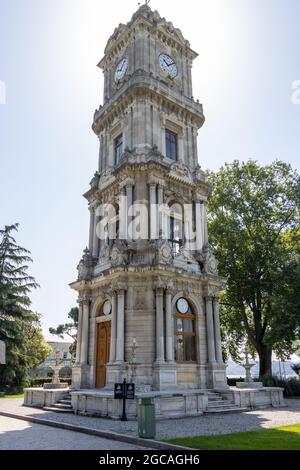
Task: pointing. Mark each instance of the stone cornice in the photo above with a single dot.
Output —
(143, 83)
(159, 276)
(160, 172)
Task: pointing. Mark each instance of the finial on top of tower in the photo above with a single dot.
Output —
(145, 2)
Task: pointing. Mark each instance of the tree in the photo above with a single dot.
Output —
(69, 328)
(296, 368)
(254, 230)
(19, 326)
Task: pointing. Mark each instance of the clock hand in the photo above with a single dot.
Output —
(167, 64)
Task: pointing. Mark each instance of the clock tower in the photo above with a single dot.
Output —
(148, 283)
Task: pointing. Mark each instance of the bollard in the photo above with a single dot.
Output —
(146, 418)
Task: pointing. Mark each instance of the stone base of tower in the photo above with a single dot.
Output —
(177, 403)
(80, 376)
(164, 376)
(216, 376)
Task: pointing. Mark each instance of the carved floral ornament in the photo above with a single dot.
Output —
(181, 170)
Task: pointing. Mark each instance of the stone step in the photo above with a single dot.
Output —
(221, 406)
(225, 410)
(58, 410)
(63, 406)
(66, 401)
(217, 403)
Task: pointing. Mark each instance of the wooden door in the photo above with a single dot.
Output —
(103, 350)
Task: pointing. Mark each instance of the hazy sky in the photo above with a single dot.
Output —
(249, 57)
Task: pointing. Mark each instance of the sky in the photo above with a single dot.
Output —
(248, 64)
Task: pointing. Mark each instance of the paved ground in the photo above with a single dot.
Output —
(21, 435)
(202, 425)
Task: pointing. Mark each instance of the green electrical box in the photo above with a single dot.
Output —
(146, 418)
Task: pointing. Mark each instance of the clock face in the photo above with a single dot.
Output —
(121, 69)
(107, 308)
(182, 305)
(168, 65)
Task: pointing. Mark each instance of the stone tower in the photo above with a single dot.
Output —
(148, 284)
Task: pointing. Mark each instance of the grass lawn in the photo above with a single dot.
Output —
(284, 438)
(20, 395)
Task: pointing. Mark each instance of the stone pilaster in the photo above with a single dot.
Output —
(199, 226)
(79, 329)
(120, 325)
(112, 356)
(123, 214)
(153, 211)
(160, 346)
(169, 328)
(210, 330)
(96, 241)
(204, 224)
(91, 234)
(160, 218)
(218, 341)
(129, 197)
(85, 332)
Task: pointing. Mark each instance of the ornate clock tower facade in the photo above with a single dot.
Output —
(148, 284)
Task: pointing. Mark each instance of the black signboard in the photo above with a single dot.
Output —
(119, 391)
(130, 389)
(124, 391)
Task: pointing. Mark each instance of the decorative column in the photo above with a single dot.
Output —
(218, 341)
(160, 356)
(95, 236)
(169, 328)
(79, 329)
(112, 356)
(91, 234)
(210, 330)
(100, 162)
(188, 227)
(153, 212)
(160, 218)
(180, 150)
(85, 332)
(204, 224)
(129, 196)
(122, 215)
(199, 226)
(120, 326)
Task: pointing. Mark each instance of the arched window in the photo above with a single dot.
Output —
(176, 227)
(184, 331)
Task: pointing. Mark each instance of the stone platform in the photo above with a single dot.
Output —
(41, 397)
(168, 403)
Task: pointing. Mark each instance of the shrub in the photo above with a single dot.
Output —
(291, 386)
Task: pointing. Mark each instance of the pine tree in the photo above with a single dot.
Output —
(16, 316)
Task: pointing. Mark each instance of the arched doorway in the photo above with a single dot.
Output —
(103, 344)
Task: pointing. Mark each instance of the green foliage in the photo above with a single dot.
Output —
(291, 386)
(69, 328)
(296, 368)
(19, 326)
(254, 231)
(284, 438)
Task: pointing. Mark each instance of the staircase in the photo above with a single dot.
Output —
(218, 405)
(62, 406)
